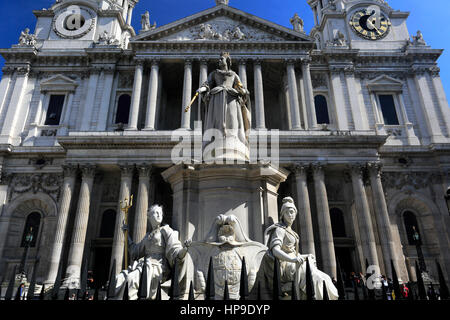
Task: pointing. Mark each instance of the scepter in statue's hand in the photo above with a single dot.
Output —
(201, 90)
(125, 207)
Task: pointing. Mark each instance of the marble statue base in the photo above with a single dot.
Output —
(201, 192)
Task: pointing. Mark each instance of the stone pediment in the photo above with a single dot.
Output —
(222, 23)
(58, 83)
(385, 83)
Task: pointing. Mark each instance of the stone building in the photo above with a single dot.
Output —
(89, 107)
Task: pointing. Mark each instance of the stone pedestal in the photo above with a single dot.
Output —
(202, 192)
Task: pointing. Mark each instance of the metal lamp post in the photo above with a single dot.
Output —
(416, 237)
(28, 240)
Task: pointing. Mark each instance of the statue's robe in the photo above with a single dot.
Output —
(160, 247)
(288, 239)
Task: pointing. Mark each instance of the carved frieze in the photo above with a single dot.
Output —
(416, 180)
(318, 80)
(41, 182)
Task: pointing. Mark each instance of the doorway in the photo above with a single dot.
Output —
(101, 266)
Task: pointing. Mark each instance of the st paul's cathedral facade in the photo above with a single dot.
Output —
(89, 108)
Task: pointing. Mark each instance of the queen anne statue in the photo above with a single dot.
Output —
(227, 112)
(283, 244)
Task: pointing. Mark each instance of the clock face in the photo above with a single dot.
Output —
(73, 22)
(369, 24)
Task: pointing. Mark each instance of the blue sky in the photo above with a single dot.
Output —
(431, 17)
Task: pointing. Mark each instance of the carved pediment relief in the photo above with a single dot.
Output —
(222, 24)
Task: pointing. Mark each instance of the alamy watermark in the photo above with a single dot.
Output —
(213, 147)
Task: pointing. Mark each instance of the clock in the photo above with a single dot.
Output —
(73, 22)
(370, 24)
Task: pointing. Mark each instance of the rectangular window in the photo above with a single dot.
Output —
(387, 106)
(54, 110)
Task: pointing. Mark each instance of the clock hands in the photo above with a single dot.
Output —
(371, 25)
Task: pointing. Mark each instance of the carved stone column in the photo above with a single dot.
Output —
(243, 71)
(136, 96)
(152, 97)
(187, 95)
(80, 227)
(382, 216)
(324, 220)
(140, 224)
(420, 82)
(293, 96)
(126, 178)
(202, 79)
(4, 86)
(339, 101)
(309, 95)
(359, 120)
(94, 75)
(259, 96)
(106, 101)
(304, 210)
(363, 213)
(441, 96)
(16, 110)
(70, 172)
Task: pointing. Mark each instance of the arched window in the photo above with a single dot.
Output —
(108, 224)
(31, 228)
(337, 223)
(321, 106)
(123, 109)
(412, 227)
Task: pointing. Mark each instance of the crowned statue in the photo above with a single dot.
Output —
(227, 110)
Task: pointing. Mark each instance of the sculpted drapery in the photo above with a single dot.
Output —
(227, 102)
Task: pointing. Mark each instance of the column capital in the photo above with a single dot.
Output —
(434, 71)
(257, 61)
(300, 169)
(187, 63)
(23, 70)
(7, 71)
(155, 62)
(374, 168)
(126, 170)
(203, 61)
(88, 170)
(242, 61)
(318, 168)
(139, 62)
(291, 61)
(144, 170)
(69, 170)
(306, 61)
(357, 170)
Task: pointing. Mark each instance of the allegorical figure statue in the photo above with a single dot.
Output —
(283, 244)
(157, 252)
(227, 102)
